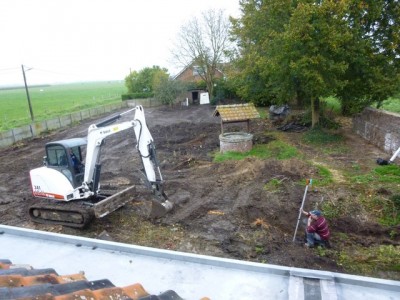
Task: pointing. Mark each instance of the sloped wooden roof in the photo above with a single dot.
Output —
(236, 112)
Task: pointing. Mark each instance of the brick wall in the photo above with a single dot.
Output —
(379, 127)
(236, 141)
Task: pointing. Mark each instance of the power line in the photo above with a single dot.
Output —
(53, 72)
(5, 70)
(8, 69)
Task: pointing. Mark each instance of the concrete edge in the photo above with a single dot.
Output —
(203, 259)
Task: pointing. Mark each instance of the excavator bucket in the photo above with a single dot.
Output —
(159, 210)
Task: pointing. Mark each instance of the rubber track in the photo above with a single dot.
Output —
(62, 208)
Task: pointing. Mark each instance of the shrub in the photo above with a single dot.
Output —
(143, 95)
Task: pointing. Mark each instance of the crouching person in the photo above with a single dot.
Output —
(317, 230)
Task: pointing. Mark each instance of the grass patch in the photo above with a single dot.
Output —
(331, 211)
(388, 210)
(381, 174)
(381, 193)
(325, 174)
(273, 185)
(386, 206)
(332, 104)
(391, 104)
(346, 206)
(388, 174)
(264, 113)
(320, 137)
(275, 149)
(146, 233)
(369, 261)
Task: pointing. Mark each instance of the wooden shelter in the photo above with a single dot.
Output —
(235, 113)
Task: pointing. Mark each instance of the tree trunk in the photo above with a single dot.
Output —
(301, 99)
(346, 107)
(314, 111)
(210, 88)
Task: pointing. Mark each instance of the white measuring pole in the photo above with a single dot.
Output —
(308, 182)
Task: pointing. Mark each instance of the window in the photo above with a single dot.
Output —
(197, 71)
(56, 156)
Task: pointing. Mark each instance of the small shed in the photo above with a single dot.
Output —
(235, 113)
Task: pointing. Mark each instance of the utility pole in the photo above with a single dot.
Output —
(27, 94)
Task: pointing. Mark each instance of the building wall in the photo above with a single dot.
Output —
(187, 75)
(379, 127)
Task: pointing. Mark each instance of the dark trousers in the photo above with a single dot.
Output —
(313, 238)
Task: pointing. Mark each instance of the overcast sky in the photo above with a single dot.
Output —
(88, 40)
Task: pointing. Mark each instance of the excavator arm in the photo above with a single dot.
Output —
(146, 149)
(95, 140)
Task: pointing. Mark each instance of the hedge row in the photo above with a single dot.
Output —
(143, 95)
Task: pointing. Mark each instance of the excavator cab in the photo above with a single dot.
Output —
(66, 156)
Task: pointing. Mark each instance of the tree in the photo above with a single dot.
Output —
(314, 55)
(295, 48)
(309, 49)
(131, 82)
(202, 43)
(168, 90)
(257, 33)
(143, 81)
(373, 54)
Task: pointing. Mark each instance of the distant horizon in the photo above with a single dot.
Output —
(9, 87)
(35, 82)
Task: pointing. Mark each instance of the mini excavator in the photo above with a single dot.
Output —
(68, 192)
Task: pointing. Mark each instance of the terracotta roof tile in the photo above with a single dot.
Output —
(5, 264)
(46, 284)
(19, 280)
(135, 291)
(26, 272)
(236, 112)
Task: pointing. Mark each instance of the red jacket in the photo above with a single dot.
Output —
(320, 226)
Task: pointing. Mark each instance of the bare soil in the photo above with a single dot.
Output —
(221, 209)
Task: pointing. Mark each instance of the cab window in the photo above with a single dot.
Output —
(57, 156)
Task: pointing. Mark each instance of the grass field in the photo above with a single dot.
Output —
(392, 104)
(55, 100)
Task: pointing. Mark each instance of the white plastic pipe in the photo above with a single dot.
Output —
(394, 155)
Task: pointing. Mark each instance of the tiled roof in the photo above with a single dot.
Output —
(236, 112)
(161, 272)
(24, 282)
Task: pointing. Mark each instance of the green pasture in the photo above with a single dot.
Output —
(392, 104)
(55, 100)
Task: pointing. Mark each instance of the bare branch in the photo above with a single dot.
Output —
(203, 42)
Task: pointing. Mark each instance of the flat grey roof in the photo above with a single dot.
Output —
(191, 276)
